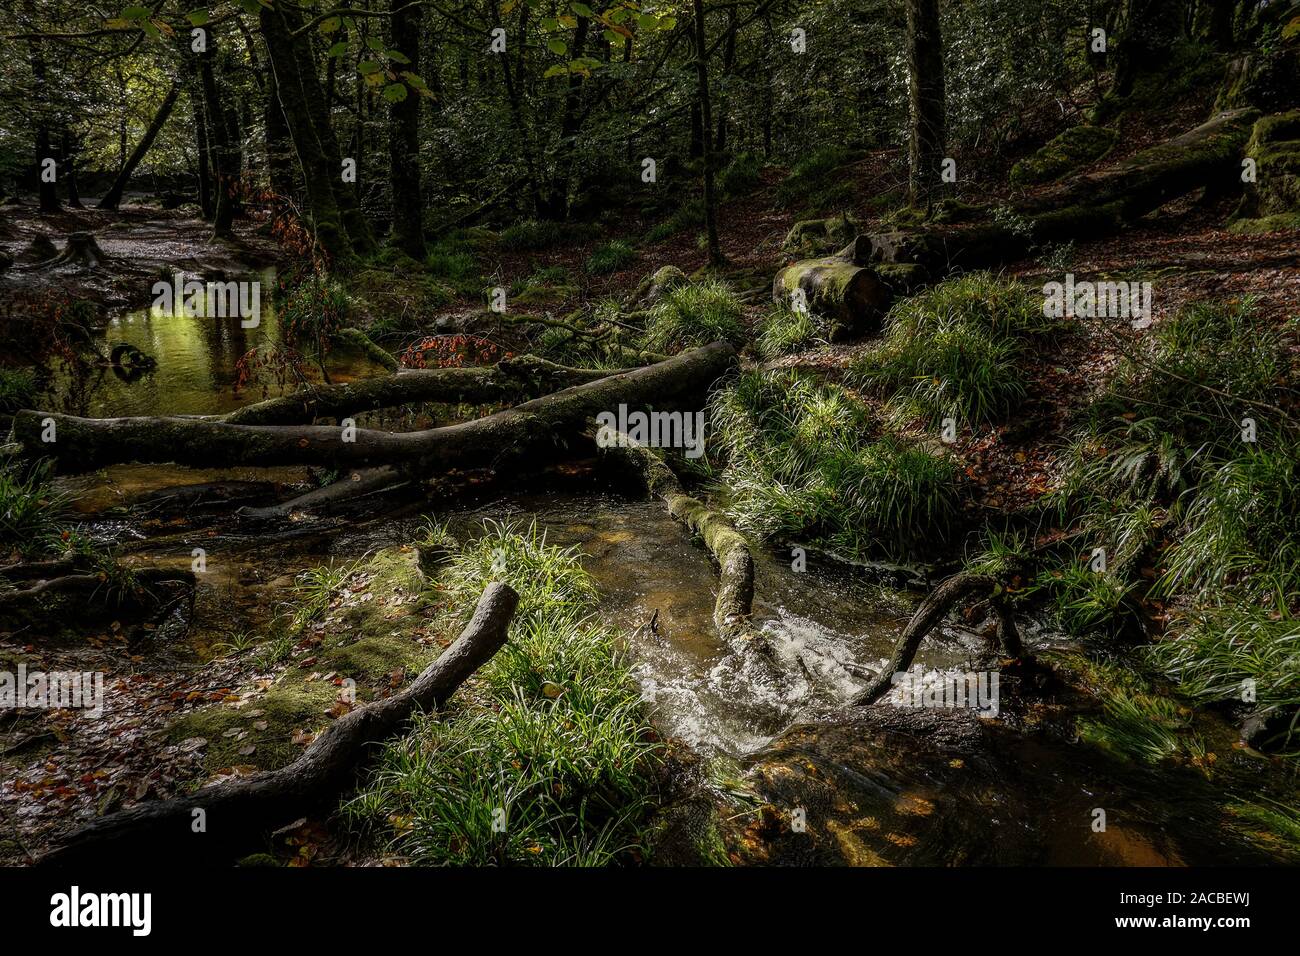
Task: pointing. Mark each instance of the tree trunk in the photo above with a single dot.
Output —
(317, 174)
(1147, 38)
(113, 197)
(68, 150)
(218, 139)
(404, 139)
(238, 813)
(926, 141)
(706, 132)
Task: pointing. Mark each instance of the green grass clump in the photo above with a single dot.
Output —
(312, 311)
(611, 257)
(1215, 650)
(549, 759)
(1173, 410)
(686, 216)
(805, 459)
(1242, 528)
(694, 315)
(1082, 600)
(32, 512)
(17, 389)
(955, 350)
(786, 330)
(456, 265)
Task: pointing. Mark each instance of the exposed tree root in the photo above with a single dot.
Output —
(235, 814)
(933, 610)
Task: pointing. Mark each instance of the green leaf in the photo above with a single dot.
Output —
(645, 21)
(375, 43)
(397, 56)
(582, 10)
(558, 70)
(550, 24)
(415, 81)
(395, 92)
(612, 37)
(151, 31)
(330, 25)
(366, 67)
(135, 13)
(667, 23)
(338, 49)
(197, 18)
(557, 46)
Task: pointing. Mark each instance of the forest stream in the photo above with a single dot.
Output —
(929, 789)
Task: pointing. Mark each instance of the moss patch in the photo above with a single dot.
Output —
(1073, 149)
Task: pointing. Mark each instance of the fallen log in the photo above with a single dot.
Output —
(852, 296)
(236, 814)
(931, 611)
(1087, 205)
(537, 427)
(510, 380)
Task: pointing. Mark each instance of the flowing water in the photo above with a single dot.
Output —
(884, 794)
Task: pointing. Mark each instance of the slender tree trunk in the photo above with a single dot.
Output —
(926, 98)
(317, 174)
(1150, 28)
(218, 137)
(557, 203)
(404, 139)
(706, 128)
(47, 191)
(113, 197)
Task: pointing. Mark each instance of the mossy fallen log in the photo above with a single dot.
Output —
(541, 427)
(510, 380)
(837, 287)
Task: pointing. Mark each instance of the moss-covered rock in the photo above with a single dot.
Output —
(1272, 201)
(817, 237)
(1073, 149)
(653, 287)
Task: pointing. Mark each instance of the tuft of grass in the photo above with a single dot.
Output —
(611, 257)
(454, 263)
(687, 215)
(811, 177)
(694, 315)
(786, 330)
(955, 350)
(1220, 651)
(551, 760)
(1083, 600)
(1242, 528)
(805, 458)
(32, 512)
(18, 389)
(1173, 408)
